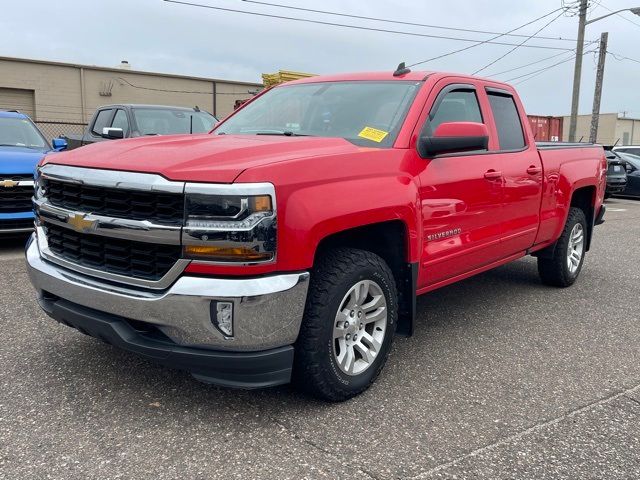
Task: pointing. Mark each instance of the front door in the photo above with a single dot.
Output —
(461, 196)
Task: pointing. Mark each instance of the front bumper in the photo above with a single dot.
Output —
(16, 223)
(616, 187)
(267, 310)
(267, 313)
(230, 369)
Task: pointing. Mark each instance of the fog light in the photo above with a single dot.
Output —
(222, 317)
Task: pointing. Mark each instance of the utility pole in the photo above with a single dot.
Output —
(595, 115)
(577, 72)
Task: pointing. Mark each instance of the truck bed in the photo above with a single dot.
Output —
(558, 145)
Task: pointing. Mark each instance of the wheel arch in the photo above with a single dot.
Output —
(584, 198)
(389, 240)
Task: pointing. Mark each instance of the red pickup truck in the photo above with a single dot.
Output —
(290, 243)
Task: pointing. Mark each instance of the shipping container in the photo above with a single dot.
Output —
(546, 129)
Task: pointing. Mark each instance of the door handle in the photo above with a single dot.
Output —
(492, 175)
(533, 170)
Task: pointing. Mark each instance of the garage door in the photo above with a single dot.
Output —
(17, 99)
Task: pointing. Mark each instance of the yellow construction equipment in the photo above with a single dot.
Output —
(272, 79)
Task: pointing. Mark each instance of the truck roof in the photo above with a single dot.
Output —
(142, 105)
(388, 76)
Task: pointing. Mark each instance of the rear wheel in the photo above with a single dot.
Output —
(348, 326)
(562, 267)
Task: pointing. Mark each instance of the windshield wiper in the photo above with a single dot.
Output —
(286, 133)
(30, 147)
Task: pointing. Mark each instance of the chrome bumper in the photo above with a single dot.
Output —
(267, 310)
(12, 231)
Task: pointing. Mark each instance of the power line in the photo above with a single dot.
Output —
(535, 73)
(399, 22)
(526, 65)
(621, 16)
(518, 46)
(490, 40)
(622, 57)
(357, 27)
(543, 69)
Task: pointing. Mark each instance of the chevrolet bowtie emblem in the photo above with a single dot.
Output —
(8, 183)
(81, 224)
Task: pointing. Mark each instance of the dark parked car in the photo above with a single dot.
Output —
(112, 122)
(632, 149)
(633, 175)
(616, 173)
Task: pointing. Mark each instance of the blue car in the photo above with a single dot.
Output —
(22, 146)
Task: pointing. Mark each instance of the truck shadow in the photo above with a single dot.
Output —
(92, 367)
(13, 244)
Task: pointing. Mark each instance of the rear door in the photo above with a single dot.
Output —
(521, 168)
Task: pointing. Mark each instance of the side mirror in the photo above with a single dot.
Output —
(112, 133)
(59, 144)
(454, 137)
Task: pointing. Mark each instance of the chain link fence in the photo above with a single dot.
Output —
(54, 129)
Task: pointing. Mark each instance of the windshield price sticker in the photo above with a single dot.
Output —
(373, 134)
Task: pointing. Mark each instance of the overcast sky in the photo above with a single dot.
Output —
(157, 36)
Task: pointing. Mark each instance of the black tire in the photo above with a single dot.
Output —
(553, 268)
(315, 368)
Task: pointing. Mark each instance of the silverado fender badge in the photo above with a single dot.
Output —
(445, 234)
(8, 183)
(80, 223)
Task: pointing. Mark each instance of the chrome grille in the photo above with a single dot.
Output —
(156, 207)
(16, 198)
(141, 260)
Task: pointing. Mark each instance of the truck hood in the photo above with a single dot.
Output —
(199, 158)
(19, 160)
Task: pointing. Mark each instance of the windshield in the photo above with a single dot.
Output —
(20, 132)
(632, 159)
(156, 121)
(631, 150)
(364, 113)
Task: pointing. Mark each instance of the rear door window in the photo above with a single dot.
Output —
(103, 119)
(505, 114)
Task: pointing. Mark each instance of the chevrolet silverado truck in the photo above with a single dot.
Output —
(22, 146)
(290, 243)
(112, 122)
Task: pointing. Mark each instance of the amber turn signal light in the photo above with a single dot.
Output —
(260, 203)
(226, 254)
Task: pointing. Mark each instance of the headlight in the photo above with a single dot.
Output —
(37, 187)
(230, 223)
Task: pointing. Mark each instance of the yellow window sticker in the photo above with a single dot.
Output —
(373, 134)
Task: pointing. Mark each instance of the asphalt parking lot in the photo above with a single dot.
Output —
(504, 378)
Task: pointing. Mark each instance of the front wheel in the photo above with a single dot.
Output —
(348, 326)
(562, 268)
